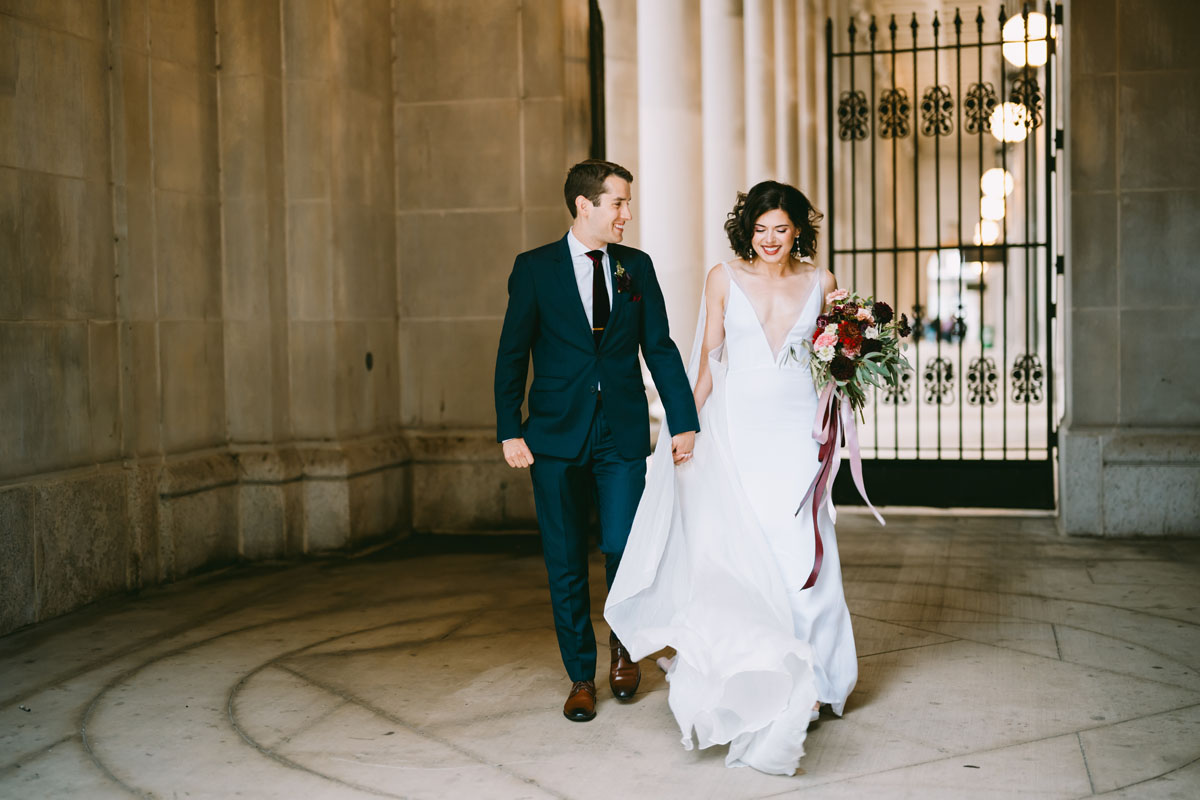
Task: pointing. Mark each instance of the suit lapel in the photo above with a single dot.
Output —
(564, 273)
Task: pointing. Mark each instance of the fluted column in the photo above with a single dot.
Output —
(724, 119)
(786, 52)
(668, 193)
(759, 45)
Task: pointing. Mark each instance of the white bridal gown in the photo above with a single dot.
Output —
(717, 556)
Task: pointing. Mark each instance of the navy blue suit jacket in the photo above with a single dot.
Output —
(545, 318)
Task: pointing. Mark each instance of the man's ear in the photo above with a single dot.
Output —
(580, 203)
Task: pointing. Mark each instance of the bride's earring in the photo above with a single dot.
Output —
(796, 251)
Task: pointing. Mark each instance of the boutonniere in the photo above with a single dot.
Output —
(625, 284)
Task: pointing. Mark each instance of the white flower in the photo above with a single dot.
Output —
(831, 329)
(872, 332)
(825, 353)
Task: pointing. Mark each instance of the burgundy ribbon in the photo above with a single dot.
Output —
(831, 409)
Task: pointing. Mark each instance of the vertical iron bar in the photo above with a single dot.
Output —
(916, 237)
(958, 137)
(979, 20)
(1030, 213)
(895, 236)
(874, 231)
(937, 219)
(1051, 125)
(1004, 250)
(829, 106)
(852, 29)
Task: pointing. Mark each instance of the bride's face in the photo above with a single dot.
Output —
(773, 236)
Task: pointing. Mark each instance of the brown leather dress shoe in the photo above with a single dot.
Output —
(581, 702)
(624, 675)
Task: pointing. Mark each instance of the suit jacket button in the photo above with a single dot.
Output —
(592, 388)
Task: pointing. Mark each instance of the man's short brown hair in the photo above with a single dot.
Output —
(587, 178)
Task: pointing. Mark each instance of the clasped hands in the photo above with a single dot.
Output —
(519, 456)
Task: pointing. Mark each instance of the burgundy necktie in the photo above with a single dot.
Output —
(600, 308)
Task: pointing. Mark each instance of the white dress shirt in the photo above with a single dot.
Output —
(583, 273)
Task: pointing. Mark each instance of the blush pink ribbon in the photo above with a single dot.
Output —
(832, 409)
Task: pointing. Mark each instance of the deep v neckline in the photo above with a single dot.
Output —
(758, 320)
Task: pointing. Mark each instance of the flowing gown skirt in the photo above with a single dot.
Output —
(717, 556)
(770, 414)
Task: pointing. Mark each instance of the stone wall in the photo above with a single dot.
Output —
(1130, 457)
(254, 259)
(483, 141)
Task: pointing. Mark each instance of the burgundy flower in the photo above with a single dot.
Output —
(850, 309)
(624, 282)
(841, 368)
(822, 321)
(883, 313)
(871, 346)
(904, 329)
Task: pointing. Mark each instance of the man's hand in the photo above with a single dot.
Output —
(681, 446)
(517, 453)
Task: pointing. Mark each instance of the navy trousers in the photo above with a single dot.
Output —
(563, 492)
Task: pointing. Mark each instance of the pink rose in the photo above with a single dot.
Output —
(826, 339)
(833, 297)
(865, 315)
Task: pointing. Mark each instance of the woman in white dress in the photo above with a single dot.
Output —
(718, 557)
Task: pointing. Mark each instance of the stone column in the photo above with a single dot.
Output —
(760, 90)
(1130, 442)
(620, 94)
(786, 48)
(724, 119)
(670, 198)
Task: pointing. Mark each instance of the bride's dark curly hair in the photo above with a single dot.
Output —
(768, 196)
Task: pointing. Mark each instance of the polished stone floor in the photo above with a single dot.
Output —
(997, 660)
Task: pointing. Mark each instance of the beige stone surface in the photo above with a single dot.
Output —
(997, 660)
(457, 263)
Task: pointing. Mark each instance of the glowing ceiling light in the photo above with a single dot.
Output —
(992, 208)
(995, 181)
(1015, 44)
(987, 232)
(1008, 122)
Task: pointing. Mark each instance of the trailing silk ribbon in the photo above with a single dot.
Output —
(832, 409)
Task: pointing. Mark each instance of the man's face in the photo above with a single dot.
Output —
(605, 223)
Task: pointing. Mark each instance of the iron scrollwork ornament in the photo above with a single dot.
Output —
(894, 110)
(1025, 92)
(937, 111)
(979, 104)
(1028, 379)
(939, 382)
(853, 116)
(900, 393)
(983, 382)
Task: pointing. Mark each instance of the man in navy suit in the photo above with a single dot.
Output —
(583, 306)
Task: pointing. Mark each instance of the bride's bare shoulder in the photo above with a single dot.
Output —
(717, 279)
(828, 280)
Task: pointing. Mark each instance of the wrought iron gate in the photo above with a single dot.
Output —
(943, 198)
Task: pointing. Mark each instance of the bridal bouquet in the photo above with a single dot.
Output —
(856, 344)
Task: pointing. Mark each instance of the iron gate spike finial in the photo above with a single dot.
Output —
(913, 24)
(979, 19)
(1003, 16)
(852, 30)
(957, 22)
(892, 27)
(873, 29)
